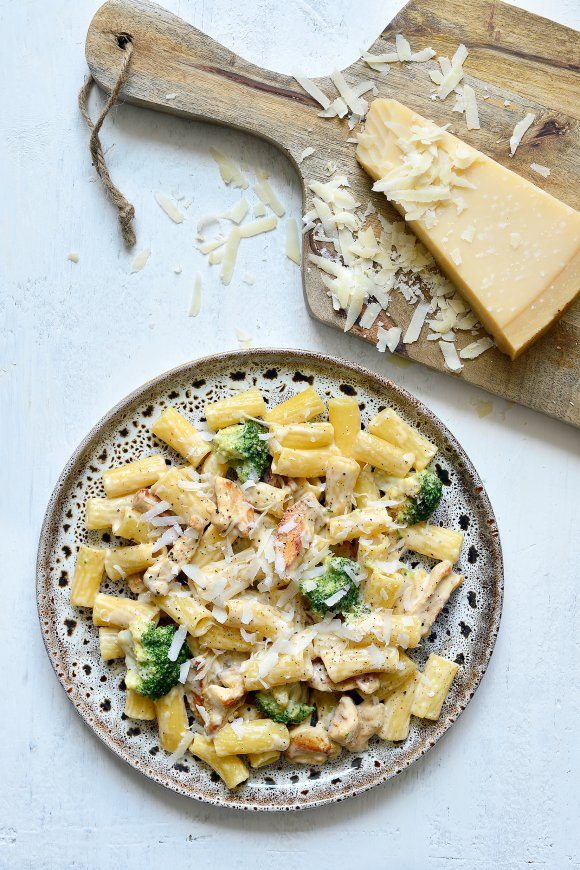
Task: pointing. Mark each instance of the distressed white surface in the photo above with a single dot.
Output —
(501, 789)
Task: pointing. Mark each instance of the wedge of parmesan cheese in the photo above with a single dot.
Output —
(457, 199)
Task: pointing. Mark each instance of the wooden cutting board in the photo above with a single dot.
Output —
(530, 61)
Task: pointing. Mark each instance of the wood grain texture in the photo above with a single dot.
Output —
(530, 61)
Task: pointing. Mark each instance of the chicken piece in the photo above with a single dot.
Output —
(136, 584)
(144, 500)
(232, 507)
(296, 531)
(219, 702)
(438, 600)
(352, 726)
(366, 684)
(158, 577)
(341, 477)
(264, 497)
(232, 679)
(310, 744)
(183, 549)
(427, 585)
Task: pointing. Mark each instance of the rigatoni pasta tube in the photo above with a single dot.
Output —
(344, 415)
(433, 541)
(138, 706)
(120, 562)
(119, 611)
(365, 488)
(301, 408)
(344, 662)
(303, 463)
(222, 637)
(230, 768)
(133, 476)
(255, 616)
(382, 589)
(288, 669)
(397, 712)
(389, 426)
(130, 524)
(87, 576)
(367, 521)
(393, 680)
(234, 409)
(186, 611)
(432, 688)
(258, 735)
(173, 428)
(261, 759)
(304, 436)
(101, 513)
(381, 454)
(109, 645)
(171, 719)
(194, 508)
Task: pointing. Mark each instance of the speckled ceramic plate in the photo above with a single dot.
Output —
(465, 631)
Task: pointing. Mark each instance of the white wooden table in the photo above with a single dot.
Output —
(500, 791)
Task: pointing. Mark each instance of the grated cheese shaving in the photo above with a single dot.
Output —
(541, 170)
(195, 306)
(177, 643)
(229, 256)
(519, 130)
(73, 257)
(238, 212)
(230, 173)
(312, 89)
(248, 278)
(169, 207)
(257, 227)
(265, 193)
(476, 348)
(449, 351)
(403, 47)
(471, 113)
(308, 152)
(416, 325)
(292, 241)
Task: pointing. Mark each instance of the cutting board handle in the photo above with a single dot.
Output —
(176, 67)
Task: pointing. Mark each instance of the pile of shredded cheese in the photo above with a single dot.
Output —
(362, 266)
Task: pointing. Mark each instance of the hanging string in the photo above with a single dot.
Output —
(125, 209)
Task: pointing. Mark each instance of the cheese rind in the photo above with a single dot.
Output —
(517, 292)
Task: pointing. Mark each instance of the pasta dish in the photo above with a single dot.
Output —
(272, 597)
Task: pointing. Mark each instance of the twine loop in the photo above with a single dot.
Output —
(125, 209)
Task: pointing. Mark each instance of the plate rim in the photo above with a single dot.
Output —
(284, 355)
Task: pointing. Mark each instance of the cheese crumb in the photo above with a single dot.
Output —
(244, 340)
(308, 152)
(73, 257)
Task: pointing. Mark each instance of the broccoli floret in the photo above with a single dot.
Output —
(339, 576)
(243, 449)
(359, 609)
(426, 500)
(146, 645)
(286, 704)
